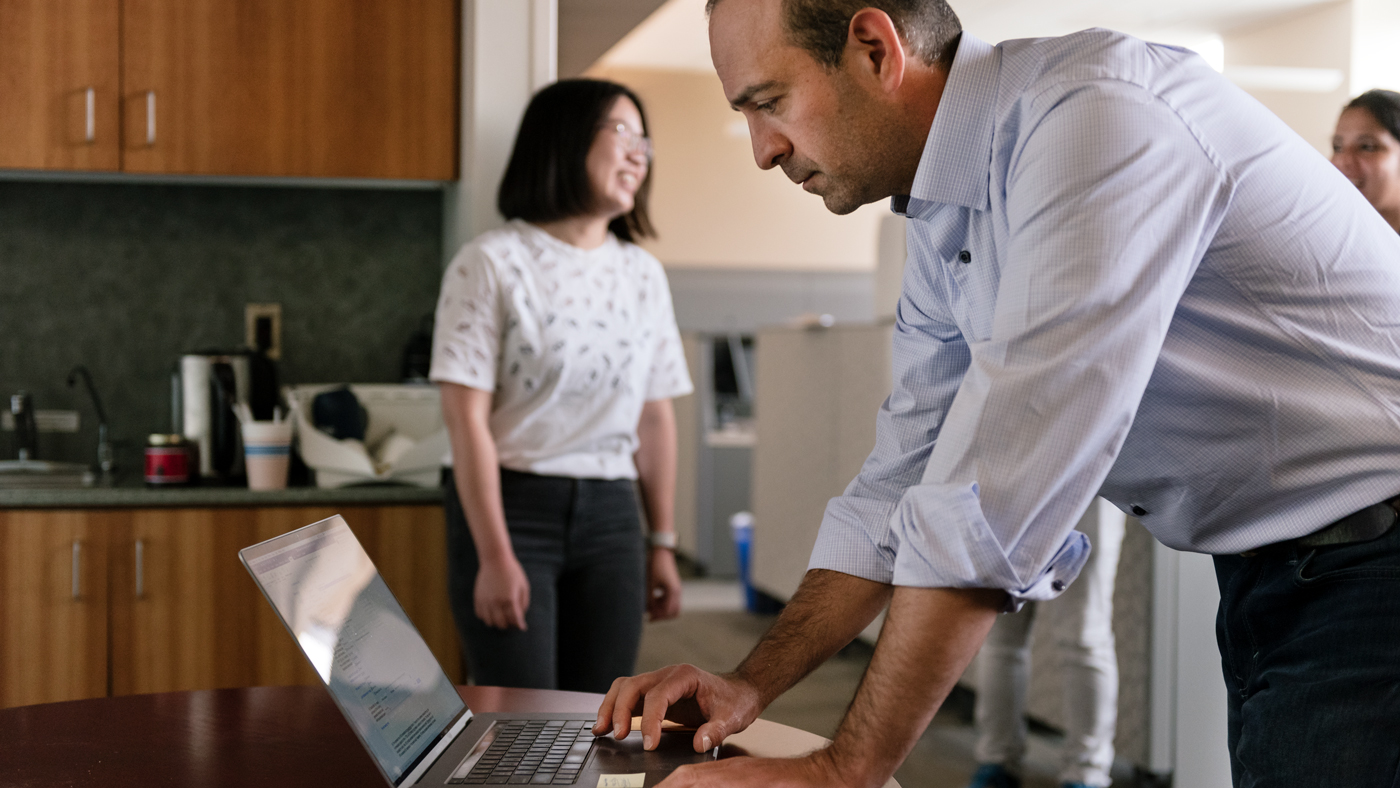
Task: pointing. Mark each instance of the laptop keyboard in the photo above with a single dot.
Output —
(532, 752)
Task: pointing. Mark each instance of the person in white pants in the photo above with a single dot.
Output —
(1081, 628)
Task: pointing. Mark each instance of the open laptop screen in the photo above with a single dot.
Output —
(359, 640)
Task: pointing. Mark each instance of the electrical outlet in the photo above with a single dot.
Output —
(264, 321)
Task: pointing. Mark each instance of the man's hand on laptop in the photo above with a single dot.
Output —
(716, 706)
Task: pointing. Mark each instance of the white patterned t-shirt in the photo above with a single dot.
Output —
(571, 341)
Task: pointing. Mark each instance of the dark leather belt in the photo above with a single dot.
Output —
(1363, 525)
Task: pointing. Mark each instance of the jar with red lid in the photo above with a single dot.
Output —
(167, 460)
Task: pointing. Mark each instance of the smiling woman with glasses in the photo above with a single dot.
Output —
(557, 353)
(1366, 148)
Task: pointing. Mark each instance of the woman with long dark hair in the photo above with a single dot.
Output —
(557, 353)
(1366, 148)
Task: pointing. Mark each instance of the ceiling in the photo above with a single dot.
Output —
(674, 36)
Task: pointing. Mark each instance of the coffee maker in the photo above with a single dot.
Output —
(206, 388)
(210, 384)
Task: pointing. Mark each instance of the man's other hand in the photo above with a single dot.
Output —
(716, 706)
(810, 771)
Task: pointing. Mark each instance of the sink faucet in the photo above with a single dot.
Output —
(26, 429)
(104, 444)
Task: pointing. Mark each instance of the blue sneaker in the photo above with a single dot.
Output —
(994, 775)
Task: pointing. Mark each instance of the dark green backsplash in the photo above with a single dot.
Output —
(124, 278)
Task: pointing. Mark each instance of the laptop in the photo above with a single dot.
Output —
(399, 702)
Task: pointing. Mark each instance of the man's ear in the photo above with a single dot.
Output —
(874, 42)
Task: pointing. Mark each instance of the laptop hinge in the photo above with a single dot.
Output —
(428, 760)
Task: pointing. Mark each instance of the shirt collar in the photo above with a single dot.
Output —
(955, 167)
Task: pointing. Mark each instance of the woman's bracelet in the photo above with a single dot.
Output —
(663, 539)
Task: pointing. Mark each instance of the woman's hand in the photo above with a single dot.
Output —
(502, 593)
(656, 477)
(663, 585)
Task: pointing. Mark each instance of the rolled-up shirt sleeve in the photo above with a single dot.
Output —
(981, 468)
(929, 358)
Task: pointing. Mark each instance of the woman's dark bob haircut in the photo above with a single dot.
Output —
(547, 177)
(1384, 106)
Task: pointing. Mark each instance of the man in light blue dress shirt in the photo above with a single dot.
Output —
(1126, 278)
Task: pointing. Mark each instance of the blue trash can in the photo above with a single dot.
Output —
(741, 526)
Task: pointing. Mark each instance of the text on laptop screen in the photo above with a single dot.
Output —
(360, 642)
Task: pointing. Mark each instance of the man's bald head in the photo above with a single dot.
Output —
(929, 27)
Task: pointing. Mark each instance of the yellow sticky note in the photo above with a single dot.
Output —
(621, 780)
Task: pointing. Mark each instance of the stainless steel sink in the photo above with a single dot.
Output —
(41, 474)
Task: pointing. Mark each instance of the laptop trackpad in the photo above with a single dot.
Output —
(611, 756)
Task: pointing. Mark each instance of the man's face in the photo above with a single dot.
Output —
(820, 126)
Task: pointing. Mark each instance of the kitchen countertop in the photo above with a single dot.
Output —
(133, 493)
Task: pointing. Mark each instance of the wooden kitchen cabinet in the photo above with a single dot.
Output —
(53, 607)
(278, 88)
(59, 84)
(177, 610)
(182, 609)
(339, 88)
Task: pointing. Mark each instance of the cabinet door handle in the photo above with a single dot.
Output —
(140, 568)
(91, 99)
(150, 117)
(77, 568)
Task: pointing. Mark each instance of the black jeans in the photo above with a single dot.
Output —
(1310, 642)
(580, 543)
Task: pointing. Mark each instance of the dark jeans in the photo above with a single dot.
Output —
(1310, 644)
(580, 543)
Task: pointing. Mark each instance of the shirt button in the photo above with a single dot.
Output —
(1139, 511)
(1058, 585)
(964, 257)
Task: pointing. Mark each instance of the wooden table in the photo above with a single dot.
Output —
(263, 737)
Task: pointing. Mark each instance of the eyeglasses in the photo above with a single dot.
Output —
(631, 141)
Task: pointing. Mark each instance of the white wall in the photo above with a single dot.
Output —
(714, 208)
(1375, 38)
(1317, 38)
(509, 50)
(1356, 40)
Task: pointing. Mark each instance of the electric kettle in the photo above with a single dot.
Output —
(211, 384)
